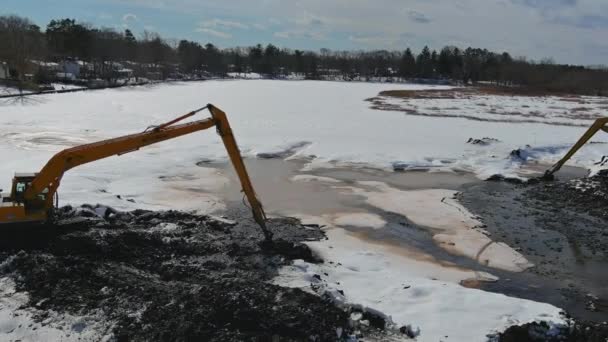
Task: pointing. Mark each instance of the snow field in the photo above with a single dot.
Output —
(411, 290)
(331, 121)
(332, 117)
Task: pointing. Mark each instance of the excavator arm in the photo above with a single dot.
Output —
(599, 124)
(39, 194)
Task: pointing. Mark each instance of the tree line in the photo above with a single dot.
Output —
(23, 42)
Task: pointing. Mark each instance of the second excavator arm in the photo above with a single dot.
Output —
(599, 125)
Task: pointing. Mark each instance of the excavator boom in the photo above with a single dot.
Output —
(599, 124)
(32, 195)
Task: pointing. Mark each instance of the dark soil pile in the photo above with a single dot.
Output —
(538, 332)
(561, 226)
(171, 275)
(578, 209)
(588, 195)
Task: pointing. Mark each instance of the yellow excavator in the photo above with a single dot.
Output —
(33, 195)
(599, 125)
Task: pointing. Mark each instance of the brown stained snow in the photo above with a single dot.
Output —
(491, 104)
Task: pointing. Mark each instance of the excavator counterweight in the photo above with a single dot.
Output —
(32, 197)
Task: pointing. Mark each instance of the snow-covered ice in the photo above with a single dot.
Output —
(454, 227)
(267, 116)
(411, 290)
(557, 110)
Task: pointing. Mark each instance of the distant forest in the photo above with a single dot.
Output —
(21, 42)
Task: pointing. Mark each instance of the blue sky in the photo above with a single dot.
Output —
(570, 31)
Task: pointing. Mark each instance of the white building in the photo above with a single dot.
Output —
(125, 73)
(4, 72)
(66, 76)
(49, 67)
(71, 67)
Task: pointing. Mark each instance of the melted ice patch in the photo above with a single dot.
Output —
(459, 231)
(361, 220)
(46, 140)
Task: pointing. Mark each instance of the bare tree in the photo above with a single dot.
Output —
(22, 41)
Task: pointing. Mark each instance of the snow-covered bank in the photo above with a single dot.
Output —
(19, 324)
(411, 290)
(557, 110)
(267, 116)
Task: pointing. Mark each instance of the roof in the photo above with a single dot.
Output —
(25, 174)
(47, 64)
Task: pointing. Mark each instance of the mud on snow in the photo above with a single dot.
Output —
(171, 275)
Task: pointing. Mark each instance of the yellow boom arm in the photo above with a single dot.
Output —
(39, 193)
(599, 124)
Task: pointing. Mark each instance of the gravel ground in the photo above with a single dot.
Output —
(171, 276)
(539, 332)
(562, 227)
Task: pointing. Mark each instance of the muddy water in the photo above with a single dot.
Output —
(283, 196)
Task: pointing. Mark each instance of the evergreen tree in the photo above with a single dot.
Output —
(424, 63)
(407, 67)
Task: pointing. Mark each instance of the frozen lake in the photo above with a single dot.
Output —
(335, 141)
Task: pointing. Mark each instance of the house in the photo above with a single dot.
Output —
(125, 73)
(154, 75)
(66, 76)
(4, 72)
(49, 67)
(71, 67)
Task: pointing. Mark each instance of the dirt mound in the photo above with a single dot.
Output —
(589, 195)
(536, 332)
(170, 275)
(559, 226)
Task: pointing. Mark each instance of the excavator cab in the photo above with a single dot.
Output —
(21, 182)
(14, 207)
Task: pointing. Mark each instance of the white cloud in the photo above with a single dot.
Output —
(129, 17)
(104, 16)
(300, 34)
(563, 29)
(214, 33)
(418, 17)
(259, 26)
(282, 34)
(375, 41)
(223, 24)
